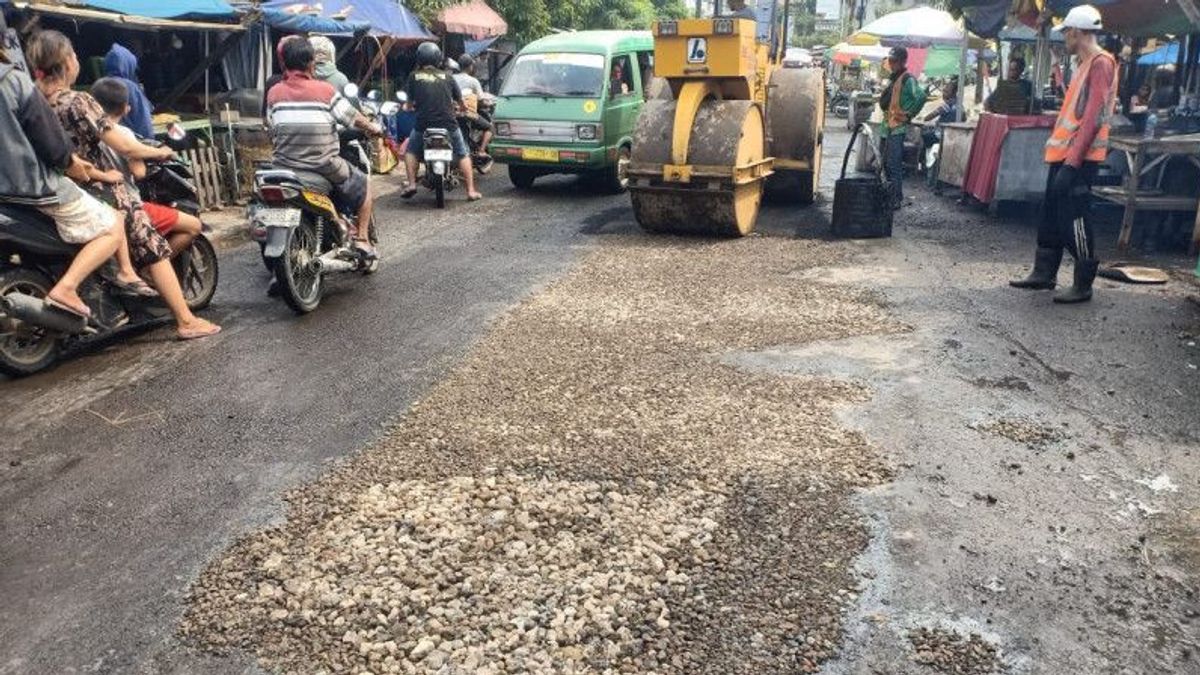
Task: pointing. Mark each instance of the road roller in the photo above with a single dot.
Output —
(730, 125)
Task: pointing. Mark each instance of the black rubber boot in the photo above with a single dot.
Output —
(1081, 291)
(1045, 271)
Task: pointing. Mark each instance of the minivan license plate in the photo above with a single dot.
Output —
(540, 154)
(278, 217)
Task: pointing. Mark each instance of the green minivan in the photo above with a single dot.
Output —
(569, 105)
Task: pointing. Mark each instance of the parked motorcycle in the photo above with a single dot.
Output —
(32, 257)
(305, 237)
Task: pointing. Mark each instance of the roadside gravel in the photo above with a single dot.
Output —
(590, 490)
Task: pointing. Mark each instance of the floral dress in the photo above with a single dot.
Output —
(85, 122)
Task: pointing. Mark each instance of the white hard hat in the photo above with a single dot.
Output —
(1083, 17)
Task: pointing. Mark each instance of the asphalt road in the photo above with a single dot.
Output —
(123, 470)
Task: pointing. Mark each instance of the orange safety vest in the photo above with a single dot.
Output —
(1067, 125)
(896, 116)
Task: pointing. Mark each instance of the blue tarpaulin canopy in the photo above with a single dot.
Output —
(384, 17)
(166, 9)
(318, 25)
(1166, 54)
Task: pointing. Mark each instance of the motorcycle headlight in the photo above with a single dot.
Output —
(503, 129)
(586, 132)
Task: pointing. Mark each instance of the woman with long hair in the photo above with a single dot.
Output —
(52, 58)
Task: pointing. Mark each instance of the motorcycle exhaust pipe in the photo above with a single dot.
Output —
(33, 311)
(329, 264)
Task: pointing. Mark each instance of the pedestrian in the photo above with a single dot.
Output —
(739, 10)
(901, 100)
(123, 65)
(1077, 146)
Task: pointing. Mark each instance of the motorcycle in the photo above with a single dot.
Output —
(305, 237)
(441, 171)
(169, 182)
(486, 108)
(358, 150)
(33, 334)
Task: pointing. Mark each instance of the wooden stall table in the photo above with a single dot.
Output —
(1006, 158)
(955, 151)
(205, 160)
(1144, 156)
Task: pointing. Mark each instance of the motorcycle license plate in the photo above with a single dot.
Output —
(278, 217)
(435, 155)
(540, 154)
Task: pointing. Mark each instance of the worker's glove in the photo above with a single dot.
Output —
(1064, 180)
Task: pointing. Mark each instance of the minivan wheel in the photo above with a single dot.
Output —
(616, 177)
(522, 177)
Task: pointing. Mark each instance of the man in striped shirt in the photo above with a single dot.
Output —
(304, 114)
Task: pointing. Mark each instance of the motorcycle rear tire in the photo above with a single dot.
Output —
(439, 190)
(198, 273)
(299, 284)
(21, 358)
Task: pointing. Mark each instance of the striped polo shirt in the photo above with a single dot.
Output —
(303, 114)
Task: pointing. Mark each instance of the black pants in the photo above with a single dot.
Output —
(1065, 220)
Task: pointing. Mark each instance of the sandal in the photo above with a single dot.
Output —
(139, 288)
(409, 192)
(365, 249)
(197, 333)
(84, 313)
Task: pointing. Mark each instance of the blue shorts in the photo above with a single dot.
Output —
(416, 142)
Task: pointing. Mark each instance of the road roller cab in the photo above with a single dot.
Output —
(570, 103)
(731, 125)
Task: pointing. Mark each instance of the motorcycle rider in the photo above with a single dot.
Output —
(179, 228)
(472, 91)
(39, 153)
(326, 55)
(303, 117)
(435, 97)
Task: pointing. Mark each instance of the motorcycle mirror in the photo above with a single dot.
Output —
(402, 96)
(176, 132)
(373, 95)
(389, 108)
(350, 90)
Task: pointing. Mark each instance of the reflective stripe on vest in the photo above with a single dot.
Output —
(1068, 122)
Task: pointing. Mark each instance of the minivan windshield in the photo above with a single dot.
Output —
(556, 74)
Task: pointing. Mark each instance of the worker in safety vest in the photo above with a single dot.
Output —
(1077, 146)
(901, 101)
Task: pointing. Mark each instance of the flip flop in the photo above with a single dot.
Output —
(197, 333)
(62, 306)
(408, 193)
(365, 249)
(139, 288)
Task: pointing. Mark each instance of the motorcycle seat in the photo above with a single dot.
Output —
(312, 181)
(26, 229)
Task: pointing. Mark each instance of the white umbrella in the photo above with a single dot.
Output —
(920, 26)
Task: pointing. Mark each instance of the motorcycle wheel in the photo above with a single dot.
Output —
(439, 190)
(299, 283)
(198, 273)
(31, 349)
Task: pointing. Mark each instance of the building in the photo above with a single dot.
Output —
(826, 24)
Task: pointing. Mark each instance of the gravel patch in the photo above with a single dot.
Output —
(591, 490)
(1020, 430)
(951, 652)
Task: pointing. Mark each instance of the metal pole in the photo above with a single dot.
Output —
(961, 113)
(699, 8)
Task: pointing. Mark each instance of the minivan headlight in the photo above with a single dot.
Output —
(587, 132)
(503, 129)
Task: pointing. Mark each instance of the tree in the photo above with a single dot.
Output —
(531, 19)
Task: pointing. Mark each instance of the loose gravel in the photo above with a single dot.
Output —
(951, 652)
(1021, 430)
(590, 491)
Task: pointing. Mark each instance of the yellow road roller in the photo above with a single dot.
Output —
(730, 124)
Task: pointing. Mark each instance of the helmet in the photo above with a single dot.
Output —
(428, 54)
(452, 66)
